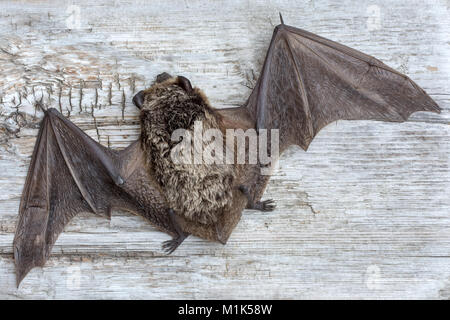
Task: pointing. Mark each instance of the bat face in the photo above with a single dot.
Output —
(171, 104)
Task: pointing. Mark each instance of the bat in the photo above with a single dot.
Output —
(306, 82)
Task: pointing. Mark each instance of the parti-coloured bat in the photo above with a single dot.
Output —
(306, 82)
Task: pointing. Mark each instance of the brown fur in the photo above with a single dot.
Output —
(199, 192)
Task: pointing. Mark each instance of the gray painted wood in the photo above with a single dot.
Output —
(363, 214)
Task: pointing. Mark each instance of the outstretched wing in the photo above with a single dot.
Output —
(308, 82)
(69, 173)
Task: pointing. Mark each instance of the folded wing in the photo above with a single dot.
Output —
(69, 173)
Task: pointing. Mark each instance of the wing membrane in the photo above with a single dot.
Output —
(308, 82)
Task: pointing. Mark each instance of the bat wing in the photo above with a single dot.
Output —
(308, 82)
(69, 173)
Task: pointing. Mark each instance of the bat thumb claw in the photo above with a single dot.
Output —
(281, 18)
(119, 181)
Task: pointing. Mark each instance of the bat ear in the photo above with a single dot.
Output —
(138, 99)
(184, 83)
(162, 77)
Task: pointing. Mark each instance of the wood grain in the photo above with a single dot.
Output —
(365, 213)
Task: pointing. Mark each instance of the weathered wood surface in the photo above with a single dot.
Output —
(365, 213)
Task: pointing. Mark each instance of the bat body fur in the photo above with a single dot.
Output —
(306, 82)
(199, 192)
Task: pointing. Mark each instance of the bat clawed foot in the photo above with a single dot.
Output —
(170, 246)
(267, 205)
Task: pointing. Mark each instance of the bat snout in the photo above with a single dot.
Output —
(138, 99)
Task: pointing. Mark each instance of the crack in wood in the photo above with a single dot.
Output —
(81, 96)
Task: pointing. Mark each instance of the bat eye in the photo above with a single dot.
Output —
(184, 83)
(138, 99)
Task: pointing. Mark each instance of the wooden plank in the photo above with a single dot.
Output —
(363, 214)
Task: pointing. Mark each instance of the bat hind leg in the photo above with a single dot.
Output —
(267, 205)
(170, 246)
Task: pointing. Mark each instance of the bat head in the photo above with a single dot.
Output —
(171, 103)
(165, 82)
